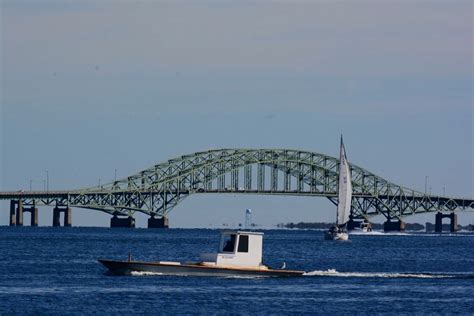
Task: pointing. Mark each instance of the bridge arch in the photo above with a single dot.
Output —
(157, 190)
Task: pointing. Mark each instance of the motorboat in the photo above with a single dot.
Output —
(366, 227)
(239, 254)
(339, 231)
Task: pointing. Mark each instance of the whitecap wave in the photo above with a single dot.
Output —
(334, 273)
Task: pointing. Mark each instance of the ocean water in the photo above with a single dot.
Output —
(47, 270)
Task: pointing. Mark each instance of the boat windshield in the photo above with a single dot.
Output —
(228, 244)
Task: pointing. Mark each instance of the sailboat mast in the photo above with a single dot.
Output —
(341, 144)
(339, 209)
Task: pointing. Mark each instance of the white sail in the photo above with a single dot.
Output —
(345, 188)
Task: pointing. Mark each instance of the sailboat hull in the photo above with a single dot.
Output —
(336, 236)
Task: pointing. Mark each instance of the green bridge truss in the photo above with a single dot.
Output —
(157, 190)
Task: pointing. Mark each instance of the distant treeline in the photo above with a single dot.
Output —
(375, 226)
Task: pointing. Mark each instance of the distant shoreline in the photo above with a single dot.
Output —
(429, 227)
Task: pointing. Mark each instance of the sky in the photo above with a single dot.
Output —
(88, 87)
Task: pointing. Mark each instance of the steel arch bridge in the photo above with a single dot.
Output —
(157, 190)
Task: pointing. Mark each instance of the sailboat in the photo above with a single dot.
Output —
(339, 232)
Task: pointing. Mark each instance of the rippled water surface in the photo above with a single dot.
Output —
(55, 270)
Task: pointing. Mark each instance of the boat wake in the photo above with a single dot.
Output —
(411, 234)
(360, 232)
(334, 273)
(144, 273)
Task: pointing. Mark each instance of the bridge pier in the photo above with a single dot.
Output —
(34, 215)
(12, 213)
(16, 213)
(439, 222)
(19, 213)
(161, 222)
(116, 221)
(390, 226)
(67, 217)
(57, 216)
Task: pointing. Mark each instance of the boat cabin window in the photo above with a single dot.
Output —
(243, 243)
(229, 243)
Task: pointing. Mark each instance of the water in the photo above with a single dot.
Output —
(55, 271)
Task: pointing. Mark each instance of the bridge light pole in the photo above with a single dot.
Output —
(47, 180)
(115, 176)
(31, 181)
(444, 191)
(426, 184)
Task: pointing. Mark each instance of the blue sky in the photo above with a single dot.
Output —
(92, 86)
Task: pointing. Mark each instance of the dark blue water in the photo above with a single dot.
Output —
(55, 270)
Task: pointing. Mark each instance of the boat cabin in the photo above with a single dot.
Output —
(237, 248)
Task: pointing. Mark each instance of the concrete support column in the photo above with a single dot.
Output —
(19, 213)
(454, 222)
(56, 217)
(439, 222)
(12, 213)
(398, 226)
(34, 216)
(67, 217)
(161, 222)
(122, 222)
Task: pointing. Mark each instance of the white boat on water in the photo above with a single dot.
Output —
(240, 253)
(339, 231)
(366, 227)
(336, 233)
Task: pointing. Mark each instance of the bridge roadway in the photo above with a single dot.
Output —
(48, 197)
(157, 190)
(38, 198)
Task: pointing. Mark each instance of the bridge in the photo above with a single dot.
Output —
(157, 190)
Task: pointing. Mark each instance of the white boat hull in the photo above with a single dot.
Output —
(342, 236)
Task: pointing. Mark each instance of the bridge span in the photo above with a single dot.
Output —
(157, 190)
